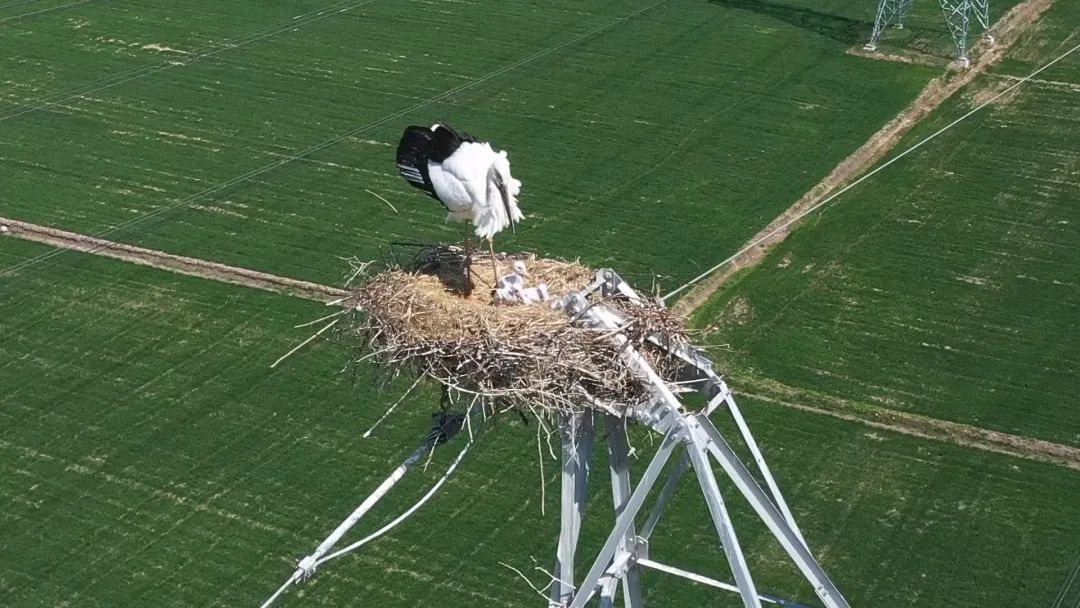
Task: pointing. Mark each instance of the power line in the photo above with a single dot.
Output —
(43, 10)
(866, 176)
(25, 264)
(193, 56)
(16, 3)
(1069, 580)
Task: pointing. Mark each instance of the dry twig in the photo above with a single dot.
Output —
(532, 357)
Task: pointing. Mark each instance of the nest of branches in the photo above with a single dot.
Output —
(533, 356)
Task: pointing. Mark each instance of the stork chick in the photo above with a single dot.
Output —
(511, 288)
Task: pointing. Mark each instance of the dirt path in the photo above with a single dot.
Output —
(911, 424)
(933, 95)
(168, 261)
(937, 91)
(878, 417)
(900, 56)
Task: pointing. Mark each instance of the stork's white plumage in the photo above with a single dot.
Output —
(469, 177)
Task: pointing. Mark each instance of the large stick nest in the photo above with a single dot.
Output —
(532, 356)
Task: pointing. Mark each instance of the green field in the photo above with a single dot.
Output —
(947, 285)
(151, 457)
(924, 34)
(688, 124)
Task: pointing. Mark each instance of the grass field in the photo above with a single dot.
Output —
(946, 286)
(151, 457)
(688, 124)
(924, 34)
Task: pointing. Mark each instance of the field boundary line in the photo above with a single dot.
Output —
(906, 423)
(916, 424)
(899, 56)
(932, 96)
(176, 263)
(769, 391)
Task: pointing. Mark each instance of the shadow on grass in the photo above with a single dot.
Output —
(841, 29)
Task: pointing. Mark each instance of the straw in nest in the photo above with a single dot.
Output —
(532, 356)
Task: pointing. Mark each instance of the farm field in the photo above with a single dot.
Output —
(947, 285)
(680, 130)
(151, 457)
(923, 37)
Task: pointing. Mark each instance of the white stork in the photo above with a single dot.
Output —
(470, 178)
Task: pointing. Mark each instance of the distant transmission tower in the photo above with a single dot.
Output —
(958, 14)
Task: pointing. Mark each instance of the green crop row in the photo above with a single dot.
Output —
(656, 145)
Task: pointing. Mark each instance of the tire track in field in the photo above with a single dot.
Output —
(935, 93)
(772, 392)
(166, 261)
(194, 503)
(911, 424)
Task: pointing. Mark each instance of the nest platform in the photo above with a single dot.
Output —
(533, 356)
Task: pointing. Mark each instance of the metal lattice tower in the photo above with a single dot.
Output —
(692, 443)
(688, 443)
(958, 16)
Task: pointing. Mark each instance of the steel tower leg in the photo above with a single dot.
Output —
(618, 461)
(905, 8)
(577, 439)
(889, 12)
(609, 552)
(607, 592)
(956, 13)
(724, 528)
(767, 511)
(981, 10)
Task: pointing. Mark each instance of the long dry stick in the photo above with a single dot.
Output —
(396, 403)
(381, 199)
(305, 342)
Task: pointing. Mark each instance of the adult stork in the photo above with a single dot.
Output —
(469, 177)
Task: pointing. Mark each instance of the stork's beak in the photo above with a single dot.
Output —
(504, 192)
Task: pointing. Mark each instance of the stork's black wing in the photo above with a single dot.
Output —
(421, 145)
(445, 141)
(413, 152)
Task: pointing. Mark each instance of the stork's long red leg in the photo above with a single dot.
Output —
(494, 268)
(468, 266)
